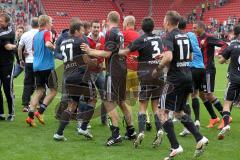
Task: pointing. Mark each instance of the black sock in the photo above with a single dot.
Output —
(42, 108)
(31, 114)
(196, 108)
(158, 124)
(142, 122)
(169, 129)
(86, 115)
(115, 131)
(188, 123)
(226, 116)
(210, 110)
(187, 110)
(217, 104)
(130, 130)
(64, 121)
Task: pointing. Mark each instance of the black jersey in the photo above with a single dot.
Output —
(179, 44)
(74, 64)
(115, 64)
(149, 46)
(233, 53)
(6, 57)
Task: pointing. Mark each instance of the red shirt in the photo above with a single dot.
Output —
(93, 45)
(129, 36)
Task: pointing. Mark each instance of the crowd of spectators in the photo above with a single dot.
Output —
(21, 11)
(206, 6)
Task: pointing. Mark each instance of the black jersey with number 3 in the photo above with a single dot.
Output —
(233, 53)
(73, 56)
(149, 46)
(179, 44)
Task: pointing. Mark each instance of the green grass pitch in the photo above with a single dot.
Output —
(20, 142)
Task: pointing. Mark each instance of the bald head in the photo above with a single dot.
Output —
(34, 22)
(114, 17)
(129, 22)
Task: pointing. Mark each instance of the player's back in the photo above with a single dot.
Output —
(73, 55)
(233, 52)
(179, 70)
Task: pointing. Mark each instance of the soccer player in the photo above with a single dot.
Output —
(43, 67)
(132, 83)
(177, 56)
(233, 89)
(198, 72)
(115, 82)
(207, 43)
(64, 97)
(7, 37)
(97, 41)
(26, 43)
(77, 82)
(150, 47)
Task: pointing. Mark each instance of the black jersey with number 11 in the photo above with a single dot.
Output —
(179, 44)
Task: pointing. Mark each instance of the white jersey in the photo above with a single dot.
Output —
(27, 41)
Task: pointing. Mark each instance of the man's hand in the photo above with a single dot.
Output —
(98, 45)
(21, 63)
(85, 48)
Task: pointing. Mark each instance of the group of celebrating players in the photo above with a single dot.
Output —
(169, 70)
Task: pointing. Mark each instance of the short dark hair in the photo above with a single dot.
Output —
(236, 30)
(34, 22)
(148, 24)
(6, 17)
(75, 26)
(173, 17)
(86, 25)
(182, 23)
(201, 24)
(94, 21)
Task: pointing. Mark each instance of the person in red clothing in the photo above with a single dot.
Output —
(97, 41)
(129, 36)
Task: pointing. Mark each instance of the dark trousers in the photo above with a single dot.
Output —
(29, 84)
(6, 80)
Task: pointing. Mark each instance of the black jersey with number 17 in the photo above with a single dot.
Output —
(179, 44)
(73, 56)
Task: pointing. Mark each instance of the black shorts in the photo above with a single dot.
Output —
(232, 92)
(115, 88)
(174, 98)
(78, 89)
(209, 79)
(46, 77)
(150, 90)
(198, 77)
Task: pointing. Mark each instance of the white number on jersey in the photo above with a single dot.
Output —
(181, 43)
(70, 48)
(155, 45)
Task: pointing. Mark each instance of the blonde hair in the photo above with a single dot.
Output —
(114, 17)
(129, 20)
(43, 20)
